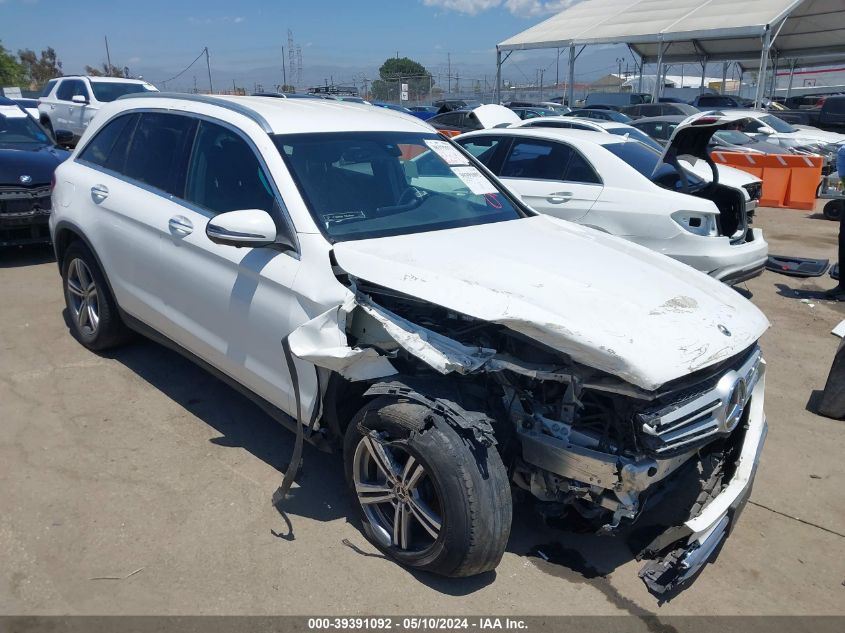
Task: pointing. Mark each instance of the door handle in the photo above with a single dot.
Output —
(99, 193)
(180, 225)
(560, 197)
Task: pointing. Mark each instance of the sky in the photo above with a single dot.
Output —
(340, 39)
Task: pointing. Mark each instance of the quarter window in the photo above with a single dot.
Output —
(159, 151)
(108, 147)
(48, 88)
(225, 175)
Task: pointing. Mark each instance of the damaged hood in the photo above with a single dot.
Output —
(607, 303)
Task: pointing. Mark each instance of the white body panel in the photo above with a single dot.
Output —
(630, 205)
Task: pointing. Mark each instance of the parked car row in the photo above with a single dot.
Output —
(450, 341)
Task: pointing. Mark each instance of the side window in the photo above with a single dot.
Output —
(108, 148)
(529, 114)
(79, 88)
(159, 151)
(579, 170)
(48, 88)
(224, 173)
(482, 148)
(452, 118)
(752, 125)
(536, 159)
(470, 121)
(66, 89)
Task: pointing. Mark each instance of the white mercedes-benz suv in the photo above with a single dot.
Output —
(451, 342)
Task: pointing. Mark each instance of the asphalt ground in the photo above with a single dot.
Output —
(135, 483)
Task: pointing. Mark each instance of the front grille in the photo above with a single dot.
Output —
(695, 419)
(21, 201)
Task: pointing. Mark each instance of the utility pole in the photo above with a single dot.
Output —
(208, 67)
(108, 55)
(449, 72)
(284, 71)
(195, 84)
(557, 70)
(542, 72)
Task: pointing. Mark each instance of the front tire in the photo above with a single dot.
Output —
(428, 497)
(92, 312)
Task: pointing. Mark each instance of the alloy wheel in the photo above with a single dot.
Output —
(398, 496)
(83, 297)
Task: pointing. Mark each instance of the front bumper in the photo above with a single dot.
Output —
(683, 550)
(24, 215)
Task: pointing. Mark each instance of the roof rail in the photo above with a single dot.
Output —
(207, 99)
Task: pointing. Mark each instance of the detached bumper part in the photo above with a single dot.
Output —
(692, 545)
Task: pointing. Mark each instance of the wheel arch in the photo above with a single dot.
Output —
(66, 233)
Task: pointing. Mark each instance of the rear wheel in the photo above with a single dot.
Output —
(92, 312)
(428, 497)
(833, 210)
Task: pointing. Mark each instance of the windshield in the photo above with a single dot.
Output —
(733, 137)
(111, 90)
(637, 135)
(360, 185)
(19, 131)
(778, 125)
(645, 160)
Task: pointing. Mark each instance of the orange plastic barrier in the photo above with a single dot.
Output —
(789, 180)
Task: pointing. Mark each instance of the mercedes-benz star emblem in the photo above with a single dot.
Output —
(724, 330)
(735, 405)
(25, 180)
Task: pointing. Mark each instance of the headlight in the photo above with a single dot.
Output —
(754, 189)
(697, 222)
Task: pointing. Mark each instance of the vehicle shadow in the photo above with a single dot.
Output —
(805, 293)
(564, 549)
(19, 256)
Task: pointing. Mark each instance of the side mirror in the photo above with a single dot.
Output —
(79, 99)
(63, 137)
(247, 227)
(766, 130)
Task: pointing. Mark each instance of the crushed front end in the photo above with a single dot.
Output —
(587, 445)
(613, 456)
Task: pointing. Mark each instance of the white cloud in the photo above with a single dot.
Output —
(198, 21)
(520, 8)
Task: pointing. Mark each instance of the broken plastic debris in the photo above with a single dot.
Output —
(839, 330)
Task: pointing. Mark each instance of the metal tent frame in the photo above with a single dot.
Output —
(795, 32)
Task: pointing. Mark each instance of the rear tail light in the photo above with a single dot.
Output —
(449, 133)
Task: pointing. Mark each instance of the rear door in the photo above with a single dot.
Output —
(61, 112)
(551, 177)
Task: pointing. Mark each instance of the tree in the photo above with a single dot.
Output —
(40, 70)
(11, 72)
(401, 70)
(105, 71)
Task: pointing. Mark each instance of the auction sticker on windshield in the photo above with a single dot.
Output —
(474, 179)
(447, 152)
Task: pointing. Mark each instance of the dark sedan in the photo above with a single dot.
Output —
(28, 158)
(602, 115)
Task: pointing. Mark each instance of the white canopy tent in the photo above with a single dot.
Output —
(801, 32)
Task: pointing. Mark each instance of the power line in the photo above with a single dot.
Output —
(186, 68)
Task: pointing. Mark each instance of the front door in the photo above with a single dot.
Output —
(551, 177)
(230, 306)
